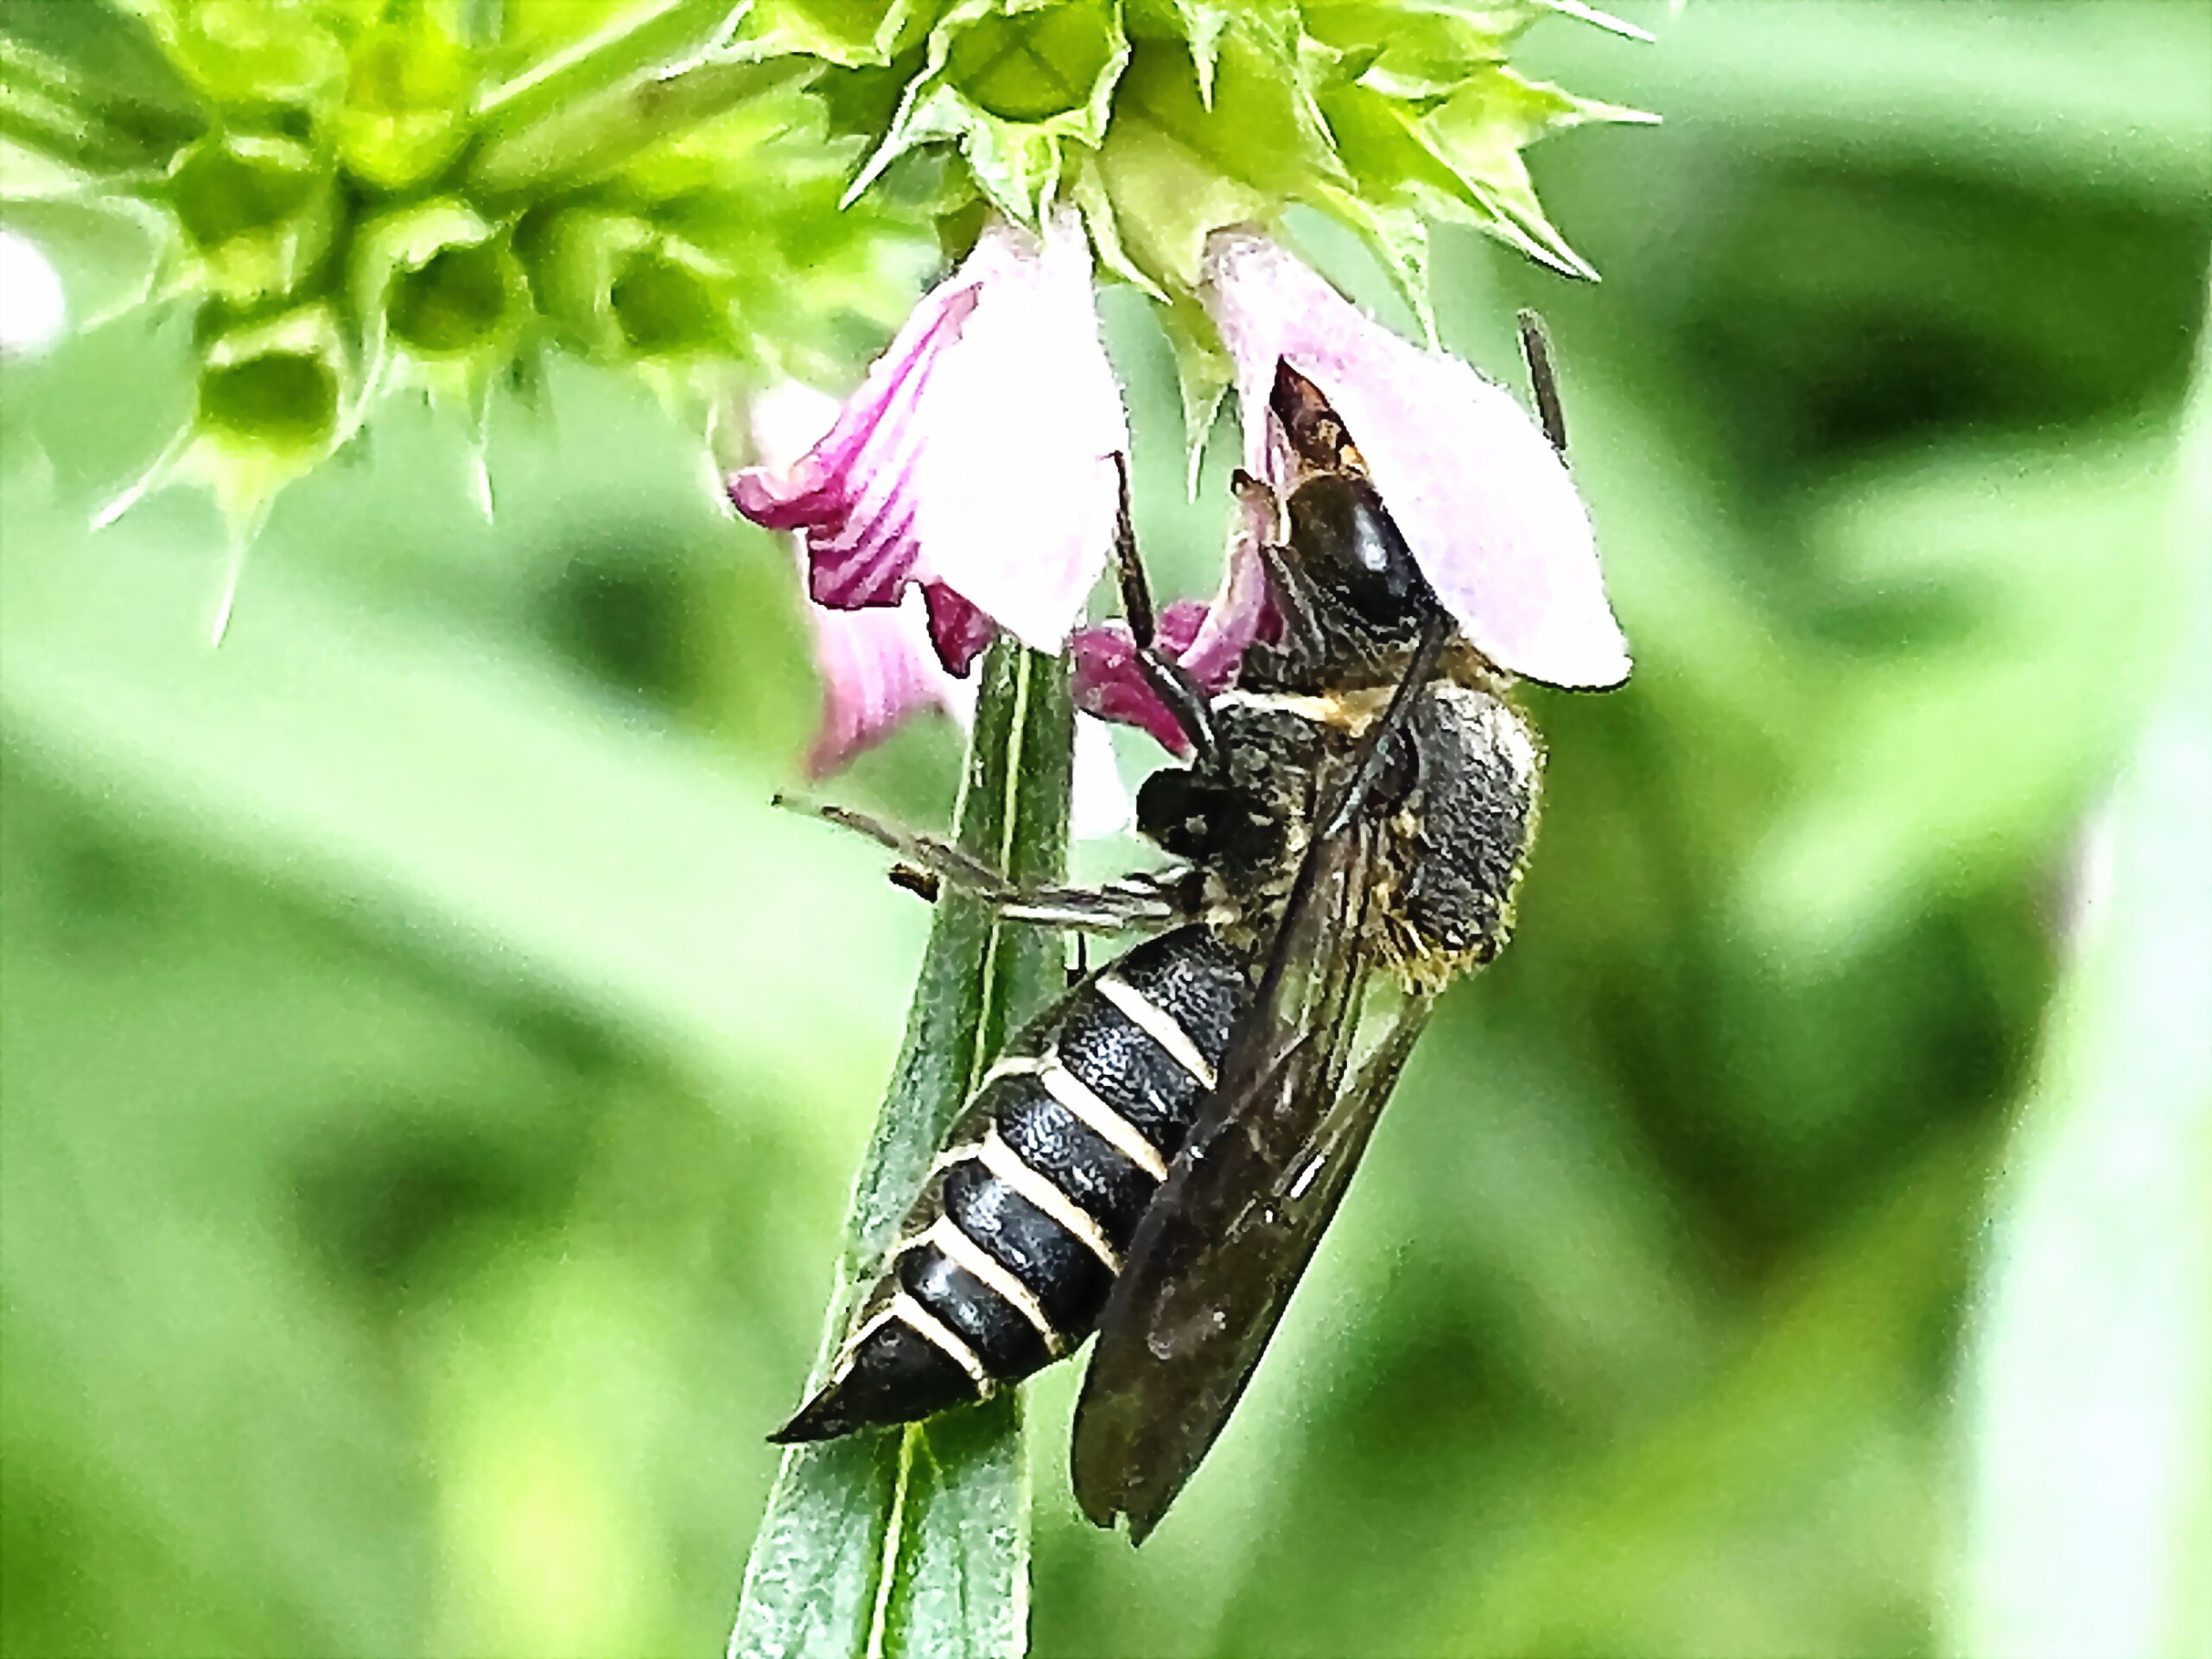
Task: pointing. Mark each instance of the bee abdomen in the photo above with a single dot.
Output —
(1006, 1258)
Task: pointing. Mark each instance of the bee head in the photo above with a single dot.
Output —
(1344, 545)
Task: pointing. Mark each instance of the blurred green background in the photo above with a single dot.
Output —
(433, 1073)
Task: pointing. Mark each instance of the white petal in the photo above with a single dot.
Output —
(1016, 487)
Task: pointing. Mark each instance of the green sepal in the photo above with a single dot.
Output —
(1397, 237)
(275, 397)
(1202, 27)
(1417, 48)
(1582, 12)
(595, 136)
(406, 115)
(258, 213)
(1480, 131)
(1088, 194)
(1203, 373)
(1011, 84)
(852, 34)
(645, 41)
(1178, 168)
(276, 389)
(625, 290)
(440, 297)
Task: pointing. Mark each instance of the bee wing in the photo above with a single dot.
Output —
(1228, 1236)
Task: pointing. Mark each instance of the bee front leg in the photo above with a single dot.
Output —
(1172, 683)
(1143, 902)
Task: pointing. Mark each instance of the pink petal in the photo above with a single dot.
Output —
(957, 629)
(1482, 498)
(851, 493)
(1016, 487)
(1109, 686)
(977, 457)
(876, 664)
(877, 668)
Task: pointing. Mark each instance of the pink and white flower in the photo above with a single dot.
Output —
(1481, 497)
(878, 663)
(976, 461)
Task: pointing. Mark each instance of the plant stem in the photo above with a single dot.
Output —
(916, 1540)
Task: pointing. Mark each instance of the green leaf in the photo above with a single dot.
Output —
(915, 1540)
(2056, 556)
(2091, 1483)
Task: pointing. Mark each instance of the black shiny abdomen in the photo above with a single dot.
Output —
(894, 1368)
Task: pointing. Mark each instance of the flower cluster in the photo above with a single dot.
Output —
(975, 473)
(360, 198)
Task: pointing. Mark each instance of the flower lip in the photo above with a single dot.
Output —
(1481, 497)
(977, 458)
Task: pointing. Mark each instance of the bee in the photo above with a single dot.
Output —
(1156, 1155)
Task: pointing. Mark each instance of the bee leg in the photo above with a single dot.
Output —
(1172, 683)
(1143, 902)
(924, 859)
(1536, 352)
(927, 864)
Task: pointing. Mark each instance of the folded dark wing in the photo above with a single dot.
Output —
(1226, 1239)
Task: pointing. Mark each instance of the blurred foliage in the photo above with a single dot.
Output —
(432, 1073)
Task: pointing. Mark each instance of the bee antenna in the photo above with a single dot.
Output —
(1536, 352)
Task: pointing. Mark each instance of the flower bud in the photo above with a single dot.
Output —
(260, 58)
(273, 399)
(406, 115)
